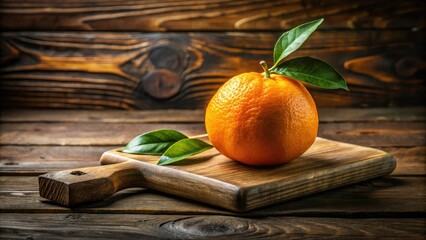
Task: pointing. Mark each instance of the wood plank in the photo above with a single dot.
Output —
(386, 134)
(380, 197)
(132, 226)
(218, 15)
(410, 161)
(113, 116)
(127, 70)
(407, 114)
(36, 160)
(197, 115)
(76, 134)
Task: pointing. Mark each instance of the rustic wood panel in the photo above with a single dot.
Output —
(36, 160)
(207, 15)
(391, 207)
(76, 134)
(407, 114)
(137, 226)
(377, 115)
(411, 160)
(386, 134)
(379, 197)
(116, 116)
(183, 70)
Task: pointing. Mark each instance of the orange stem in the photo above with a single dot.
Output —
(265, 68)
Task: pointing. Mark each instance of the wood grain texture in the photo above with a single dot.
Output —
(406, 114)
(36, 160)
(386, 134)
(112, 116)
(377, 45)
(410, 160)
(36, 127)
(136, 226)
(82, 185)
(222, 182)
(217, 15)
(389, 207)
(76, 134)
(380, 197)
(183, 70)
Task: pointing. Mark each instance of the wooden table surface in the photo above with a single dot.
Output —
(38, 141)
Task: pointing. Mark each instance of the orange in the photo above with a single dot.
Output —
(262, 121)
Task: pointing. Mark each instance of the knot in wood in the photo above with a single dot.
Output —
(161, 84)
(167, 57)
(77, 173)
(409, 66)
(207, 226)
(72, 217)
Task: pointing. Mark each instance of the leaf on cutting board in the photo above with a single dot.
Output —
(183, 149)
(154, 142)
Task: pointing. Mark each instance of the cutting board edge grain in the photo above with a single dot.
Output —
(309, 184)
(245, 198)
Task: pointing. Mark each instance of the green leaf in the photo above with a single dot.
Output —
(291, 40)
(153, 143)
(312, 71)
(183, 149)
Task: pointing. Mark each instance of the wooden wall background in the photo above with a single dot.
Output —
(175, 54)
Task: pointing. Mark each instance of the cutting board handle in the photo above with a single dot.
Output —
(82, 185)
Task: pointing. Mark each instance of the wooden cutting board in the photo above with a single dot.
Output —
(214, 179)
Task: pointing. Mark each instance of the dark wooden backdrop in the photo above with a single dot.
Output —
(175, 54)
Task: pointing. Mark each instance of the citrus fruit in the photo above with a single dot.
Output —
(261, 119)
